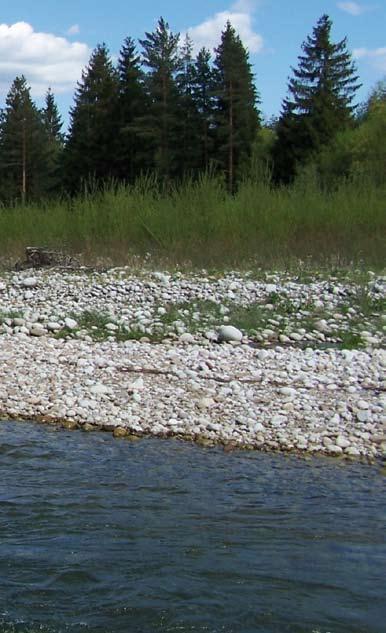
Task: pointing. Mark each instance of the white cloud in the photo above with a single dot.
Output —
(353, 8)
(208, 33)
(377, 56)
(73, 30)
(45, 59)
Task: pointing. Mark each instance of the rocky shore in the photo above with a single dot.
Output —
(254, 361)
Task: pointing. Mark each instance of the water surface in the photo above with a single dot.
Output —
(100, 535)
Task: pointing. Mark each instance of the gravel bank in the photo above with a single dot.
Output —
(276, 390)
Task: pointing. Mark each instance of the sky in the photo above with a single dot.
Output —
(50, 42)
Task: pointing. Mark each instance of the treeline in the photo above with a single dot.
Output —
(167, 112)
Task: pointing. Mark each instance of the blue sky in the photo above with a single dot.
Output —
(51, 42)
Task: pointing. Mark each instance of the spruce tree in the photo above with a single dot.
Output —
(52, 123)
(160, 125)
(23, 148)
(237, 117)
(131, 157)
(189, 143)
(93, 135)
(51, 118)
(203, 95)
(320, 101)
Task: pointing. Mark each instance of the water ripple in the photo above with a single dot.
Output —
(101, 536)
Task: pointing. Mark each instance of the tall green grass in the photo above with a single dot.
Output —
(199, 223)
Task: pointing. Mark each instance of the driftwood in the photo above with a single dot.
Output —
(42, 257)
(243, 379)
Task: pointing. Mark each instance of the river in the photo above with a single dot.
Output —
(99, 535)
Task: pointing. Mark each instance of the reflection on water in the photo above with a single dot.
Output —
(99, 535)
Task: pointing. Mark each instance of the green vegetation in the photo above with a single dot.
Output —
(94, 323)
(167, 154)
(10, 315)
(25, 163)
(201, 224)
(319, 105)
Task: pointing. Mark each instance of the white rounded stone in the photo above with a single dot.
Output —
(186, 338)
(342, 441)
(227, 333)
(288, 391)
(70, 323)
(29, 282)
(52, 326)
(100, 389)
(363, 416)
(37, 330)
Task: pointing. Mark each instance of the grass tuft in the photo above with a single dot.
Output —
(199, 224)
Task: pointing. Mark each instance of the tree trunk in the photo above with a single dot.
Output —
(231, 141)
(23, 164)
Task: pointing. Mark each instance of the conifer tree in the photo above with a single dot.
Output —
(319, 104)
(93, 135)
(22, 146)
(131, 157)
(160, 125)
(203, 95)
(52, 123)
(51, 118)
(189, 142)
(237, 118)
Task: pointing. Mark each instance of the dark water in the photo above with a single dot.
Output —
(99, 535)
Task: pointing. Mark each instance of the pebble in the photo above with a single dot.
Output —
(363, 416)
(228, 333)
(287, 391)
(343, 442)
(53, 326)
(70, 323)
(285, 397)
(187, 338)
(29, 282)
(99, 389)
(37, 330)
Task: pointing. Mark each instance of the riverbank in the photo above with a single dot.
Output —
(139, 355)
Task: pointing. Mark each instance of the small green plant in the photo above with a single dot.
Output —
(273, 298)
(92, 319)
(369, 305)
(249, 318)
(195, 315)
(349, 340)
(10, 314)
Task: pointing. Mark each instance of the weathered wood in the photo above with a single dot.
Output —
(40, 257)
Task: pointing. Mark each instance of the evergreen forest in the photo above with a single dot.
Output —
(168, 151)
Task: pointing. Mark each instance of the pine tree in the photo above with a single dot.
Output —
(203, 95)
(22, 146)
(237, 118)
(90, 150)
(132, 156)
(52, 123)
(160, 125)
(319, 104)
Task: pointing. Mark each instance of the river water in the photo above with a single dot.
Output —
(102, 535)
